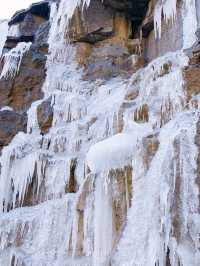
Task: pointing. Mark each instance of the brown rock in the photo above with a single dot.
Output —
(10, 124)
(150, 146)
(142, 114)
(177, 203)
(192, 81)
(71, 186)
(87, 189)
(94, 24)
(25, 88)
(106, 60)
(45, 115)
(121, 182)
(83, 52)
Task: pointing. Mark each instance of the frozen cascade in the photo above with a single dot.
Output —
(12, 60)
(14, 176)
(86, 135)
(48, 159)
(4, 33)
(162, 90)
(43, 238)
(151, 228)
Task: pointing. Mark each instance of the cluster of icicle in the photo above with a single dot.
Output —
(167, 10)
(12, 60)
(163, 223)
(85, 127)
(47, 160)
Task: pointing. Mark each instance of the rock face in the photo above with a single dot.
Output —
(40, 9)
(104, 43)
(25, 88)
(19, 93)
(192, 72)
(10, 124)
(45, 115)
(134, 10)
(155, 47)
(100, 136)
(93, 24)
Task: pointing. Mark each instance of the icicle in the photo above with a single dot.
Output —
(12, 60)
(88, 226)
(103, 223)
(158, 20)
(149, 232)
(15, 177)
(162, 90)
(168, 9)
(189, 15)
(57, 37)
(32, 125)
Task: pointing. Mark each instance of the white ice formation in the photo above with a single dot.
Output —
(76, 225)
(12, 60)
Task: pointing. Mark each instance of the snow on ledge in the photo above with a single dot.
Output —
(116, 151)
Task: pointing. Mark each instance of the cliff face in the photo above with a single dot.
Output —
(99, 134)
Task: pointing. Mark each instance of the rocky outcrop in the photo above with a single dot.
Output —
(45, 115)
(104, 42)
(40, 9)
(135, 10)
(25, 88)
(10, 124)
(192, 72)
(91, 25)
